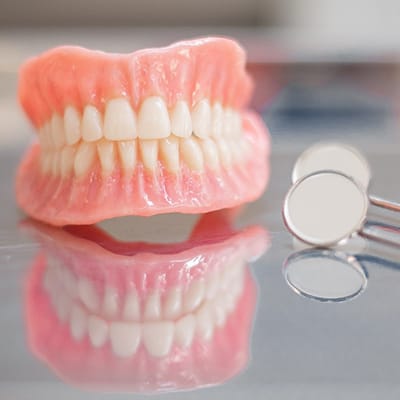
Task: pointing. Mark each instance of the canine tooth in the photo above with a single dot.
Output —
(201, 119)
(153, 120)
(204, 322)
(157, 337)
(106, 152)
(152, 308)
(184, 330)
(173, 304)
(169, 149)
(91, 124)
(84, 158)
(131, 309)
(191, 153)
(97, 330)
(149, 152)
(110, 301)
(72, 125)
(78, 322)
(210, 152)
(194, 295)
(125, 338)
(128, 154)
(88, 294)
(181, 121)
(67, 160)
(57, 131)
(217, 120)
(224, 151)
(119, 120)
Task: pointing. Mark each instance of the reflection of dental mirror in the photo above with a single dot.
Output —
(341, 158)
(325, 275)
(326, 208)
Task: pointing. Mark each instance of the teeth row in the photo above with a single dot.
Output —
(195, 153)
(153, 121)
(158, 336)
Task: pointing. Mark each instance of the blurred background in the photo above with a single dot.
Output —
(332, 62)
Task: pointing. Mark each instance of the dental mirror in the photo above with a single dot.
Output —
(326, 208)
(325, 275)
(341, 158)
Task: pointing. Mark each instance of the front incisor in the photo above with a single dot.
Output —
(119, 120)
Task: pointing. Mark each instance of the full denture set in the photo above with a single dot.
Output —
(155, 131)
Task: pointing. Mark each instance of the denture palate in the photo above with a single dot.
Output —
(206, 135)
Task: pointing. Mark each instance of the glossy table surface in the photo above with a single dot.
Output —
(282, 346)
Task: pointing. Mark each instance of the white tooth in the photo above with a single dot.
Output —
(229, 120)
(194, 295)
(210, 152)
(204, 322)
(119, 120)
(184, 330)
(63, 306)
(72, 125)
(229, 300)
(110, 301)
(191, 153)
(217, 121)
(88, 294)
(55, 164)
(236, 152)
(181, 121)
(70, 283)
(149, 152)
(106, 150)
(157, 337)
(173, 303)
(169, 150)
(84, 158)
(226, 274)
(128, 154)
(125, 338)
(98, 331)
(218, 306)
(212, 284)
(152, 308)
(91, 124)
(224, 151)
(201, 119)
(46, 139)
(57, 131)
(236, 124)
(153, 120)
(46, 161)
(67, 160)
(78, 322)
(131, 309)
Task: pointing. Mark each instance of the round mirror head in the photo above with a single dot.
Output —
(335, 157)
(325, 275)
(325, 208)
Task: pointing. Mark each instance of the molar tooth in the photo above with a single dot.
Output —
(106, 152)
(57, 131)
(98, 331)
(181, 121)
(184, 330)
(194, 295)
(128, 154)
(201, 119)
(84, 158)
(157, 337)
(191, 153)
(169, 149)
(119, 120)
(217, 121)
(91, 124)
(131, 309)
(210, 152)
(72, 125)
(204, 322)
(78, 322)
(67, 160)
(125, 338)
(149, 151)
(152, 309)
(153, 120)
(173, 303)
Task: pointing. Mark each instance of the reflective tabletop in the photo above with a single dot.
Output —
(206, 306)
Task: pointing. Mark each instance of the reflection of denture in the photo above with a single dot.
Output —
(143, 317)
(155, 131)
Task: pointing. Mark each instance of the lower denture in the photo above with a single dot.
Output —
(189, 307)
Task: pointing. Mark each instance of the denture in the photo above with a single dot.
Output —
(143, 317)
(155, 131)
